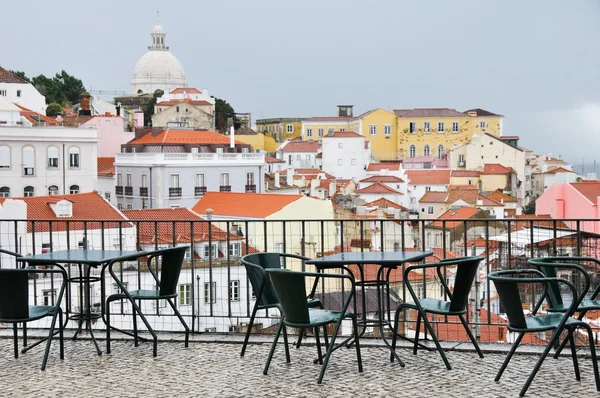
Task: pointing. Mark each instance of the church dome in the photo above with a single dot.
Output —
(158, 69)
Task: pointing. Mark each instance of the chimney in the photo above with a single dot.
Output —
(118, 108)
(290, 177)
(231, 138)
(277, 185)
(84, 106)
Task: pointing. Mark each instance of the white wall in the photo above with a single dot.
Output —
(29, 97)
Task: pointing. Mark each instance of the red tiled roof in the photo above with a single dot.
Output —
(385, 203)
(344, 134)
(429, 112)
(301, 146)
(554, 170)
(88, 207)
(186, 90)
(428, 177)
(312, 173)
(176, 101)
(500, 197)
(383, 166)
(466, 193)
(271, 159)
(481, 112)
(35, 117)
(461, 213)
(329, 119)
(106, 166)
(180, 137)
(236, 204)
(496, 168)
(509, 137)
(590, 189)
(7, 77)
(465, 173)
(382, 178)
(378, 188)
(434, 197)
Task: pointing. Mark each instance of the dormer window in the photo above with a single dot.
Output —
(63, 208)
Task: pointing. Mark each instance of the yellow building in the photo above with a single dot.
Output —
(257, 140)
(280, 129)
(433, 131)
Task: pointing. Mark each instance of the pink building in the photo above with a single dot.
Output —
(111, 134)
(573, 200)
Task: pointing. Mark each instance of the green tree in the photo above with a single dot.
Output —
(53, 109)
(69, 86)
(149, 111)
(530, 208)
(223, 111)
(20, 74)
(48, 88)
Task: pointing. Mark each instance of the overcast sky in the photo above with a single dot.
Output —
(535, 62)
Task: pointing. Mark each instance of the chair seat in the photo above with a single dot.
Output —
(540, 323)
(585, 305)
(319, 317)
(35, 312)
(145, 295)
(434, 306)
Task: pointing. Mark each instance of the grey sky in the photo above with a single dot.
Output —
(536, 62)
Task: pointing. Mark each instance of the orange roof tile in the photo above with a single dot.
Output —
(461, 213)
(186, 90)
(465, 173)
(106, 166)
(344, 134)
(176, 101)
(301, 146)
(434, 197)
(35, 117)
(271, 159)
(383, 166)
(378, 188)
(180, 137)
(382, 178)
(385, 203)
(554, 170)
(500, 197)
(467, 193)
(7, 77)
(255, 205)
(312, 173)
(496, 168)
(428, 177)
(590, 189)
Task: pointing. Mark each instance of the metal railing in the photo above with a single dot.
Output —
(215, 294)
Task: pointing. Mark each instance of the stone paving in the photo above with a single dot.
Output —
(212, 367)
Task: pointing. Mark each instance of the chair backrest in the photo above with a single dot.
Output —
(171, 263)
(290, 288)
(553, 294)
(466, 270)
(14, 294)
(507, 285)
(258, 278)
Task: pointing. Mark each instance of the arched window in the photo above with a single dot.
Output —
(4, 192)
(52, 190)
(140, 91)
(52, 152)
(28, 161)
(28, 191)
(440, 151)
(412, 151)
(426, 150)
(74, 189)
(4, 157)
(74, 157)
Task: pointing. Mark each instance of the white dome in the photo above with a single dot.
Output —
(157, 29)
(157, 70)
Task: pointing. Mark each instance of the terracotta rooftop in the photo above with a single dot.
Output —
(255, 205)
(106, 166)
(590, 189)
(554, 170)
(378, 188)
(186, 90)
(383, 166)
(500, 196)
(465, 173)
(428, 177)
(329, 119)
(344, 134)
(302, 146)
(481, 112)
(496, 168)
(176, 101)
(466, 193)
(453, 214)
(7, 77)
(428, 112)
(35, 117)
(434, 197)
(508, 137)
(311, 173)
(270, 180)
(382, 178)
(180, 137)
(385, 203)
(271, 159)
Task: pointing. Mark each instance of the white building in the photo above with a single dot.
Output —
(345, 154)
(423, 181)
(18, 91)
(299, 154)
(47, 160)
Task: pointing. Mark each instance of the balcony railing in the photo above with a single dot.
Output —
(175, 192)
(199, 191)
(217, 293)
(144, 192)
(119, 190)
(251, 188)
(225, 188)
(128, 191)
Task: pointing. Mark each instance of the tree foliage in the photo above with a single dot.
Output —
(530, 208)
(149, 111)
(54, 109)
(223, 111)
(63, 88)
(20, 74)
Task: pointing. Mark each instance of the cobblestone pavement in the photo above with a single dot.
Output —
(212, 367)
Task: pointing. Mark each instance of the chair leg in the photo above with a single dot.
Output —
(435, 340)
(593, 352)
(509, 356)
(247, 337)
(574, 354)
(358, 356)
(395, 332)
(107, 311)
(50, 335)
(537, 366)
(320, 358)
(470, 334)
(285, 344)
(329, 350)
(417, 329)
(272, 351)
(24, 334)
(135, 332)
(61, 339)
(16, 339)
(178, 314)
(299, 341)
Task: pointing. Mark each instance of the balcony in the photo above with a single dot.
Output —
(128, 191)
(119, 190)
(196, 159)
(144, 192)
(199, 191)
(225, 188)
(251, 188)
(175, 192)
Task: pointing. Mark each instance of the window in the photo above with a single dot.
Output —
(353, 162)
(73, 189)
(309, 132)
(339, 162)
(441, 127)
(128, 177)
(250, 178)
(210, 250)
(130, 207)
(342, 129)
(210, 292)
(440, 151)
(174, 181)
(412, 127)
(177, 109)
(426, 127)
(119, 179)
(144, 182)
(200, 180)
(427, 189)
(340, 145)
(18, 93)
(107, 196)
(119, 206)
(461, 160)
(28, 191)
(5, 192)
(234, 290)
(28, 161)
(52, 152)
(387, 130)
(373, 129)
(482, 124)
(289, 128)
(321, 132)
(219, 150)
(455, 127)
(3, 93)
(52, 190)
(426, 150)
(185, 294)
(412, 151)
(429, 209)
(234, 249)
(308, 158)
(74, 157)
(4, 157)
(224, 179)
(49, 296)
(298, 157)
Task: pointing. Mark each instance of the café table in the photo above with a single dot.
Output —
(386, 262)
(86, 260)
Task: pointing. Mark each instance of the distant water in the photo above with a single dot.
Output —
(587, 167)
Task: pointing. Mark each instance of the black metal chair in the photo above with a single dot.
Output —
(15, 308)
(508, 285)
(255, 265)
(290, 289)
(549, 267)
(467, 268)
(170, 268)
